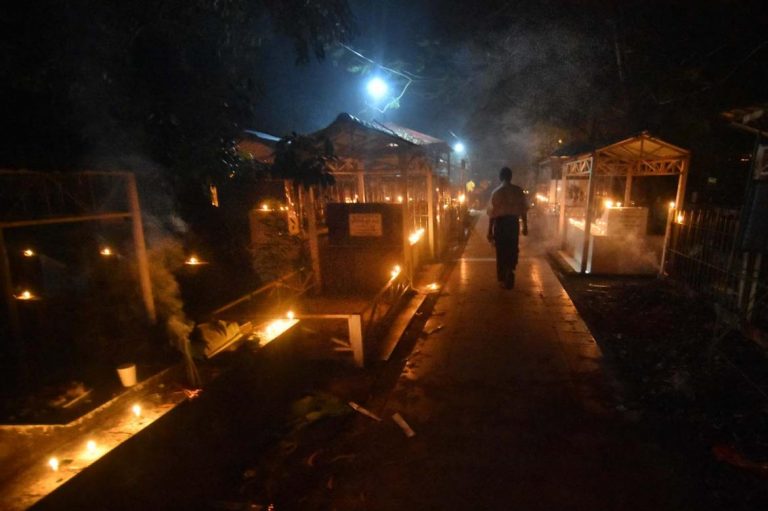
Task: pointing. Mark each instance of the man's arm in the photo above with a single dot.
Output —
(490, 236)
(524, 218)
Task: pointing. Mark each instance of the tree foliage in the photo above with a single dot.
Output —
(94, 84)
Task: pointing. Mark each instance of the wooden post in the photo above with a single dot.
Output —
(587, 223)
(667, 240)
(314, 246)
(431, 213)
(356, 338)
(141, 249)
(628, 190)
(681, 183)
(361, 186)
(6, 281)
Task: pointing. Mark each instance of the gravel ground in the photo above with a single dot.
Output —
(704, 394)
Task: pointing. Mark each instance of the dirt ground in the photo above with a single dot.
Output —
(701, 389)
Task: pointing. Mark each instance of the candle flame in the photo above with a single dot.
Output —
(25, 295)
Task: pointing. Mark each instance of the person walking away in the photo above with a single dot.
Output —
(507, 208)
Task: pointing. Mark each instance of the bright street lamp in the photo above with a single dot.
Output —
(377, 88)
(459, 147)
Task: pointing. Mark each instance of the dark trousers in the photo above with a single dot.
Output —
(506, 234)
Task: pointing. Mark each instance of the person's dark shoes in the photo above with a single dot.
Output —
(509, 280)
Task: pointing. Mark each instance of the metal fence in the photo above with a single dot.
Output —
(704, 253)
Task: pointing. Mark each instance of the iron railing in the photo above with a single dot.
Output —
(704, 253)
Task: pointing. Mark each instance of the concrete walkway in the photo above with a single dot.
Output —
(510, 408)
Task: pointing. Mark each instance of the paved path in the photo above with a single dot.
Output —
(509, 408)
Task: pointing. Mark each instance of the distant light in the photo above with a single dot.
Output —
(90, 448)
(400, 199)
(415, 237)
(193, 260)
(28, 252)
(680, 218)
(54, 463)
(290, 315)
(459, 147)
(106, 252)
(608, 203)
(434, 286)
(265, 207)
(462, 198)
(672, 205)
(559, 140)
(395, 271)
(136, 410)
(377, 88)
(25, 295)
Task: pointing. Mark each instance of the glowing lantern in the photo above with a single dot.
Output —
(28, 252)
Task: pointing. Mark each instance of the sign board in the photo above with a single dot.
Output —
(623, 221)
(365, 225)
(368, 224)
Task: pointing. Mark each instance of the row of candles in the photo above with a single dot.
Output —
(91, 447)
(28, 295)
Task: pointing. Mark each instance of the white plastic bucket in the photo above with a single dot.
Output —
(127, 374)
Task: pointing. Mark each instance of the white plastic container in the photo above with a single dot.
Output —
(127, 374)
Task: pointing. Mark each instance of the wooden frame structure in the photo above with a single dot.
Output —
(639, 156)
(45, 198)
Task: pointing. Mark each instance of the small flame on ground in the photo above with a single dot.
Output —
(193, 260)
(25, 295)
(54, 463)
(106, 251)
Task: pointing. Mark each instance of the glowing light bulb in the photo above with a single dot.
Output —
(54, 463)
(377, 88)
